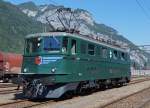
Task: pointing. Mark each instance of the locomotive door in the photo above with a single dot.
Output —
(74, 57)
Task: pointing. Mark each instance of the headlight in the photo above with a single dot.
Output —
(25, 70)
(53, 70)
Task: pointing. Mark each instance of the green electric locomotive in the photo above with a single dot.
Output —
(55, 63)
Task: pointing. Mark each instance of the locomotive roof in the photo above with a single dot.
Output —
(74, 35)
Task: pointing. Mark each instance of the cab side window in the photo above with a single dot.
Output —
(91, 49)
(83, 48)
(73, 46)
(104, 52)
(115, 55)
(123, 56)
(65, 44)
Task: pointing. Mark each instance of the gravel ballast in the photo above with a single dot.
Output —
(97, 100)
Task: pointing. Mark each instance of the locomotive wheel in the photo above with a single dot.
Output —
(103, 87)
(79, 90)
(121, 84)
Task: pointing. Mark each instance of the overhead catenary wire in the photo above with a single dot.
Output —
(146, 4)
(53, 2)
(143, 9)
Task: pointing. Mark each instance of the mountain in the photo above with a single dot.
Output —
(16, 21)
(14, 26)
(87, 26)
(29, 5)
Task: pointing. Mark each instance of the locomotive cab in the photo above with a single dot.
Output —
(43, 55)
(44, 60)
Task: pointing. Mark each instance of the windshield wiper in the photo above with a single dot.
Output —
(56, 40)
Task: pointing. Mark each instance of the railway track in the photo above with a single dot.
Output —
(29, 103)
(139, 80)
(7, 85)
(136, 100)
(9, 91)
(145, 104)
(25, 103)
(133, 82)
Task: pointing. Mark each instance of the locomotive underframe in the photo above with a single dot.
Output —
(37, 86)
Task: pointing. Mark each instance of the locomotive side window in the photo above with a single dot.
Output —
(98, 50)
(91, 49)
(104, 52)
(123, 56)
(73, 46)
(65, 44)
(115, 55)
(33, 45)
(83, 48)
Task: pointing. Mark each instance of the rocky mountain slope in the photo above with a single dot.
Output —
(14, 25)
(88, 26)
(18, 21)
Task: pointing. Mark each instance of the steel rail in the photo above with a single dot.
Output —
(34, 104)
(122, 98)
(10, 91)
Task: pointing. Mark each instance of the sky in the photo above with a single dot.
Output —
(131, 18)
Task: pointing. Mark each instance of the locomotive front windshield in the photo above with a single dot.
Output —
(40, 44)
(51, 43)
